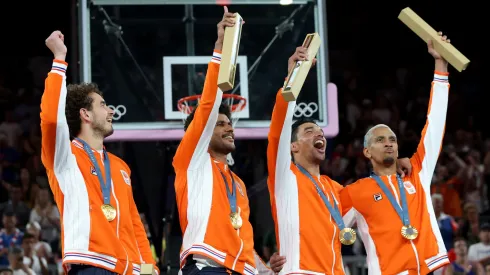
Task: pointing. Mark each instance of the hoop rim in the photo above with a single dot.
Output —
(236, 107)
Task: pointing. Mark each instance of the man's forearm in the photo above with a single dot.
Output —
(441, 65)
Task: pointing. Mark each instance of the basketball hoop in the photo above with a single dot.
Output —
(236, 103)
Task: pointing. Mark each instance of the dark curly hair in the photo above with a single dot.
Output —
(223, 109)
(78, 97)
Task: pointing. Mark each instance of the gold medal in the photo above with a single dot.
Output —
(347, 236)
(236, 220)
(109, 212)
(409, 232)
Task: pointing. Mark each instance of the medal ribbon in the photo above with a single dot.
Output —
(402, 210)
(334, 210)
(106, 187)
(231, 194)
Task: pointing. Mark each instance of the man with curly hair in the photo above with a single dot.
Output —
(101, 228)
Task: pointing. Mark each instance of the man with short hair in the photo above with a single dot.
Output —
(38, 264)
(16, 260)
(211, 199)
(480, 252)
(16, 205)
(462, 264)
(446, 223)
(394, 214)
(10, 236)
(101, 228)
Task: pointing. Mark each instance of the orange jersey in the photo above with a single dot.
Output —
(87, 237)
(307, 234)
(204, 210)
(379, 224)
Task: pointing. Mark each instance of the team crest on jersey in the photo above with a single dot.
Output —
(239, 187)
(93, 171)
(409, 187)
(126, 177)
(378, 197)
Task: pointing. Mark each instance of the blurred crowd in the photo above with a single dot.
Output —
(30, 221)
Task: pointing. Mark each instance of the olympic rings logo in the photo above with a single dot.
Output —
(119, 111)
(306, 110)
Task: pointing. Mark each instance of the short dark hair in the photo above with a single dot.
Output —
(78, 97)
(223, 109)
(295, 127)
(6, 269)
(459, 238)
(9, 212)
(27, 236)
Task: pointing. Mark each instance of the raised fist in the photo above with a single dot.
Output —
(55, 42)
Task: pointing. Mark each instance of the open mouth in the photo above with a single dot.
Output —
(320, 145)
(109, 120)
(229, 137)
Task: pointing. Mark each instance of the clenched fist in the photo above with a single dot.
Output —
(55, 42)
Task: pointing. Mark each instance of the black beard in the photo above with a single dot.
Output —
(388, 161)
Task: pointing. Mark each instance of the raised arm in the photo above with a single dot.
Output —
(193, 148)
(55, 136)
(425, 159)
(279, 147)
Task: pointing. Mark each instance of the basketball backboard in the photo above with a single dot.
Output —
(146, 55)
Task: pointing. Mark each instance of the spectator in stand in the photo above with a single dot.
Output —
(10, 236)
(38, 264)
(442, 185)
(16, 259)
(447, 225)
(9, 158)
(29, 187)
(47, 215)
(470, 227)
(480, 252)
(41, 248)
(462, 264)
(11, 129)
(16, 205)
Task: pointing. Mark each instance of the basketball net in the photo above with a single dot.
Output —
(235, 105)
